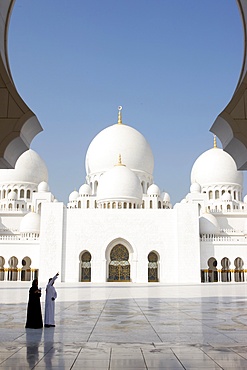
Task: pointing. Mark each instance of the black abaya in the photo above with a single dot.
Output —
(34, 315)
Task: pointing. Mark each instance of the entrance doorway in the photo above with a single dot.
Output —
(119, 266)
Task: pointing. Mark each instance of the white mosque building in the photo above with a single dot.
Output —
(119, 227)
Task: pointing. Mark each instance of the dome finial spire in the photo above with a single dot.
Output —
(120, 161)
(215, 142)
(120, 115)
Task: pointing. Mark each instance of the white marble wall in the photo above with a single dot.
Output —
(172, 234)
(51, 240)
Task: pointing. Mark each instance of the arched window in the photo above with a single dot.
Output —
(26, 269)
(239, 270)
(210, 194)
(217, 194)
(87, 203)
(28, 194)
(12, 270)
(95, 187)
(152, 267)
(151, 204)
(159, 204)
(22, 193)
(85, 267)
(212, 270)
(225, 270)
(79, 204)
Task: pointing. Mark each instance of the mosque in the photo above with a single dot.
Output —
(119, 226)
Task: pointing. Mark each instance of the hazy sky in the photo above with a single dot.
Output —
(172, 64)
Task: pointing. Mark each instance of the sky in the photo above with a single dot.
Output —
(173, 66)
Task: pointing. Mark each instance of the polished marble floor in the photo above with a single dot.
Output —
(128, 326)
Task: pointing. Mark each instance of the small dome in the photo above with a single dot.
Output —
(208, 224)
(215, 166)
(119, 184)
(12, 195)
(30, 223)
(165, 197)
(29, 168)
(195, 188)
(153, 190)
(43, 186)
(226, 196)
(73, 196)
(85, 189)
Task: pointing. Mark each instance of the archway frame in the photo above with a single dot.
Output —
(132, 256)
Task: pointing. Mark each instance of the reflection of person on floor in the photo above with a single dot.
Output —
(33, 347)
(50, 297)
(34, 315)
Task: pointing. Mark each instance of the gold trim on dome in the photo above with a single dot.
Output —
(215, 142)
(120, 115)
(120, 161)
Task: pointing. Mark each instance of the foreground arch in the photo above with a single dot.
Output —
(18, 124)
(231, 124)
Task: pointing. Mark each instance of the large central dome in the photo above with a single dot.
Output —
(119, 139)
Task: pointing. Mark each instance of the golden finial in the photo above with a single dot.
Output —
(120, 115)
(215, 142)
(120, 161)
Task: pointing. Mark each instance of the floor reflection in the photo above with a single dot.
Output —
(48, 346)
(33, 345)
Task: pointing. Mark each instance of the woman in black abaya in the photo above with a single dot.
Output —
(34, 315)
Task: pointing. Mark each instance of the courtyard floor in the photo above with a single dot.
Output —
(116, 326)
